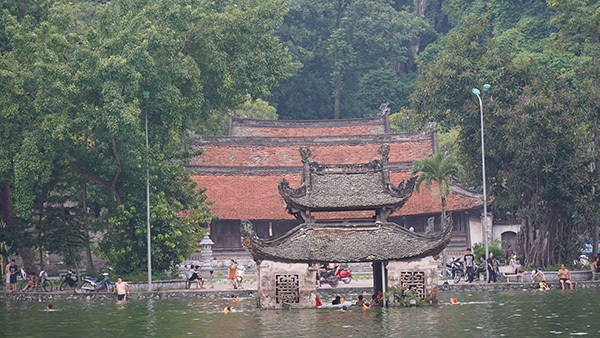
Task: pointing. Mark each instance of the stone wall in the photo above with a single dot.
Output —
(286, 285)
(418, 275)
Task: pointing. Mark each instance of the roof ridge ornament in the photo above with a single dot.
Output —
(305, 153)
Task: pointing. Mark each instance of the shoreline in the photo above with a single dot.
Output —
(223, 291)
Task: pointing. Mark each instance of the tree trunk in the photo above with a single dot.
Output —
(13, 226)
(336, 90)
(76, 265)
(88, 251)
(596, 229)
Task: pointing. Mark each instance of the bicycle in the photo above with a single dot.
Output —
(43, 283)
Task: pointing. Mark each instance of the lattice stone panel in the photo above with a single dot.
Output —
(414, 281)
(287, 289)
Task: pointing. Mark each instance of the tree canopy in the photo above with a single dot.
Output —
(73, 113)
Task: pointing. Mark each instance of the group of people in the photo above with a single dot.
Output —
(11, 276)
(326, 269)
(235, 274)
(195, 276)
(376, 300)
(472, 270)
(12, 271)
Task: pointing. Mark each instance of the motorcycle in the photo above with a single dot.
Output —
(329, 277)
(344, 275)
(455, 270)
(90, 284)
(68, 280)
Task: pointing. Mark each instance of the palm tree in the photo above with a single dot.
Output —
(438, 169)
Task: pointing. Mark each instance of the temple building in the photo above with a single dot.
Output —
(241, 172)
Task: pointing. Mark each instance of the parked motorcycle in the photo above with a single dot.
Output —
(455, 269)
(90, 284)
(69, 280)
(344, 275)
(329, 277)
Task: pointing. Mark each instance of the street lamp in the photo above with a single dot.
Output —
(485, 219)
(146, 95)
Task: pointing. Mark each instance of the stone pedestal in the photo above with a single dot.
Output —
(286, 285)
(206, 254)
(418, 275)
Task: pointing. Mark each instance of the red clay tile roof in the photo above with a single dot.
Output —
(255, 196)
(274, 128)
(241, 173)
(283, 152)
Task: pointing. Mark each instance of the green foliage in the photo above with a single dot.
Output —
(404, 121)
(345, 47)
(72, 112)
(216, 124)
(495, 247)
(438, 169)
(400, 297)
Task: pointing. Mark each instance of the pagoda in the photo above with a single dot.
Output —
(401, 257)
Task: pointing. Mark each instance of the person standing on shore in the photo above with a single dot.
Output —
(232, 271)
(469, 260)
(13, 269)
(490, 268)
(7, 272)
(121, 289)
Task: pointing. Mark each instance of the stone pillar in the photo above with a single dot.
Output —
(418, 275)
(206, 254)
(283, 285)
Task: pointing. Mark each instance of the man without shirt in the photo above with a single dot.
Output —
(121, 289)
(564, 276)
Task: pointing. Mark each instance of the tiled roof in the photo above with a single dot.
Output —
(345, 242)
(276, 128)
(283, 152)
(255, 196)
(241, 172)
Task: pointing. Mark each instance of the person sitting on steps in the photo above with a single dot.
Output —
(31, 283)
(564, 276)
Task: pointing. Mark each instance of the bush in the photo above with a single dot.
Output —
(494, 247)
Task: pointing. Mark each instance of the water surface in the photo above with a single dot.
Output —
(552, 313)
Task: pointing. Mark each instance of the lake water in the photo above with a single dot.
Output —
(551, 313)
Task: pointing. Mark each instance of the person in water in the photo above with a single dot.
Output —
(360, 301)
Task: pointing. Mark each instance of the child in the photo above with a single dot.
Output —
(49, 308)
(212, 279)
(360, 301)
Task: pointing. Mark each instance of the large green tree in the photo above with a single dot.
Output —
(534, 141)
(578, 32)
(346, 47)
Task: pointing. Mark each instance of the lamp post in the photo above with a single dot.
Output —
(485, 219)
(146, 95)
